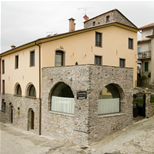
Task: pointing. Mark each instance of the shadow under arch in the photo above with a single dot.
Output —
(11, 112)
(62, 95)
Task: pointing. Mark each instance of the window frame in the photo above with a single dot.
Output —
(145, 66)
(3, 66)
(98, 44)
(32, 60)
(120, 62)
(16, 62)
(3, 86)
(62, 57)
(108, 18)
(130, 44)
(29, 91)
(94, 23)
(98, 56)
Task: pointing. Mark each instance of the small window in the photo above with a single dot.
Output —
(130, 43)
(3, 67)
(98, 60)
(94, 23)
(98, 39)
(3, 86)
(16, 62)
(107, 18)
(32, 91)
(122, 62)
(146, 66)
(59, 59)
(18, 90)
(32, 58)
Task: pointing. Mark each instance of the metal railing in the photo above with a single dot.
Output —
(144, 55)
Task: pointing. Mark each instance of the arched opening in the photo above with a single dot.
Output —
(3, 105)
(18, 90)
(109, 100)
(30, 119)
(59, 58)
(62, 99)
(11, 112)
(31, 91)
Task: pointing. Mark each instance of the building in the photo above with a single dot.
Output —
(71, 65)
(146, 54)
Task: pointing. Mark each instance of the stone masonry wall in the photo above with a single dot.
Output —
(115, 16)
(86, 126)
(20, 119)
(122, 79)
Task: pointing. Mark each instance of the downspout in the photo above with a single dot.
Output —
(0, 85)
(40, 108)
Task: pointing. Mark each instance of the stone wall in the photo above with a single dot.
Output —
(85, 126)
(20, 117)
(115, 16)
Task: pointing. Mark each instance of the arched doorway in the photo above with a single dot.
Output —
(11, 112)
(62, 99)
(30, 119)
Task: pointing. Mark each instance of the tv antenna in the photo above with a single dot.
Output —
(85, 8)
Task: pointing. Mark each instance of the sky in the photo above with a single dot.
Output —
(26, 21)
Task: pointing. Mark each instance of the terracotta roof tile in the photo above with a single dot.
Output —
(147, 26)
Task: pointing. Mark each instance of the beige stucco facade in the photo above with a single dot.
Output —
(79, 47)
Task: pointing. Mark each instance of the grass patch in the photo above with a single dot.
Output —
(137, 100)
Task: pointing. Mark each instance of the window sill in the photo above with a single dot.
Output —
(98, 46)
(18, 95)
(61, 113)
(32, 66)
(110, 115)
(30, 97)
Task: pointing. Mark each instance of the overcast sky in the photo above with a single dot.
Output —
(25, 21)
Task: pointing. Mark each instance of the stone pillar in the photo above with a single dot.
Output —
(147, 102)
(152, 60)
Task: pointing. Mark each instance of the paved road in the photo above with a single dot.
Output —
(135, 139)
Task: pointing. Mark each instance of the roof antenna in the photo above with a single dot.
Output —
(85, 16)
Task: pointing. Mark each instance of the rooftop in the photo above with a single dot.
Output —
(147, 26)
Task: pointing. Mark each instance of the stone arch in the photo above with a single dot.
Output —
(30, 125)
(30, 90)
(17, 89)
(110, 98)
(61, 92)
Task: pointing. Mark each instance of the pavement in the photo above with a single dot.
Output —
(135, 139)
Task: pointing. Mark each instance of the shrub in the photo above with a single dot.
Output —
(143, 77)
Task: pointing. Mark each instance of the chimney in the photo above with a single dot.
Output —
(71, 24)
(85, 17)
(13, 46)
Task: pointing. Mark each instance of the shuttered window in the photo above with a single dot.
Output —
(98, 60)
(32, 58)
(98, 39)
(122, 62)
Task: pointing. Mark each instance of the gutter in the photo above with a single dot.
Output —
(0, 85)
(40, 100)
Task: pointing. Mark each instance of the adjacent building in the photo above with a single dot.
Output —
(54, 85)
(146, 54)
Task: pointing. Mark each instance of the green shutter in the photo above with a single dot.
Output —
(146, 67)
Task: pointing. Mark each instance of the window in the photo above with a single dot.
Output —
(18, 90)
(146, 66)
(122, 62)
(3, 67)
(32, 91)
(98, 39)
(62, 99)
(130, 43)
(59, 59)
(138, 50)
(3, 86)
(107, 18)
(32, 58)
(109, 100)
(94, 23)
(16, 62)
(98, 60)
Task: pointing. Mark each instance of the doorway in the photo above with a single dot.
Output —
(30, 119)
(11, 112)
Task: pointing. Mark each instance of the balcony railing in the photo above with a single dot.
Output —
(144, 55)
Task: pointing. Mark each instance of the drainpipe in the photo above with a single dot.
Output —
(40, 109)
(0, 85)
